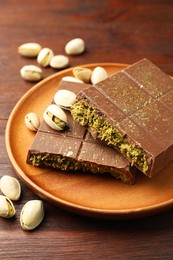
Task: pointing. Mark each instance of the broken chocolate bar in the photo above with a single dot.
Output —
(74, 149)
(128, 111)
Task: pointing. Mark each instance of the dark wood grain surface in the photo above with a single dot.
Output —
(114, 31)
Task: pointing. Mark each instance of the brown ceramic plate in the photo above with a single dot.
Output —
(86, 194)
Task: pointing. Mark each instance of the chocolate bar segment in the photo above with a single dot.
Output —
(150, 77)
(72, 154)
(121, 88)
(130, 115)
(75, 150)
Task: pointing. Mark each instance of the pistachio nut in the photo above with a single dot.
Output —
(98, 74)
(59, 62)
(31, 73)
(72, 79)
(64, 98)
(10, 187)
(7, 209)
(55, 117)
(32, 214)
(83, 74)
(29, 49)
(75, 46)
(32, 121)
(44, 57)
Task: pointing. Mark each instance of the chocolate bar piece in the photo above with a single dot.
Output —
(74, 149)
(129, 111)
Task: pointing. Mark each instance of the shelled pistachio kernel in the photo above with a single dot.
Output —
(29, 49)
(64, 98)
(82, 73)
(32, 121)
(10, 187)
(31, 73)
(72, 79)
(75, 46)
(98, 74)
(59, 62)
(55, 117)
(32, 214)
(44, 57)
(7, 209)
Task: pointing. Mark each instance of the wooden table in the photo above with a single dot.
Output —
(114, 31)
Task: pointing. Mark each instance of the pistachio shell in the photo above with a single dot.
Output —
(55, 117)
(72, 79)
(29, 49)
(83, 74)
(31, 73)
(98, 74)
(75, 46)
(7, 209)
(64, 98)
(59, 62)
(32, 214)
(32, 121)
(10, 187)
(44, 57)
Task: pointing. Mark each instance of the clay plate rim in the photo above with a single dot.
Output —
(37, 179)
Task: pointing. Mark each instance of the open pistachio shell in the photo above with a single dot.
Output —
(44, 56)
(10, 187)
(32, 214)
(83, 74)
(7, 209)
(32, 121)
(64, 98)
(55, 117)
(31, 73)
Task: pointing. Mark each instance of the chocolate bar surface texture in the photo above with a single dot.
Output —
(74, 149)
(132, 111)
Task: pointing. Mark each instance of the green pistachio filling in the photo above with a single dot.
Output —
(86, 115)
(60, 123)
(68, 164)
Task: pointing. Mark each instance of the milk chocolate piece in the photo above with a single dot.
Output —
(74, 149)
(129, 111)
(150, 77)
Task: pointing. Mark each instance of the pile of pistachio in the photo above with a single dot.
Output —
(46, 57)
(32, 212)
(54, 115)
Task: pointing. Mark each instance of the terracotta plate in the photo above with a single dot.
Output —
(86, 194)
